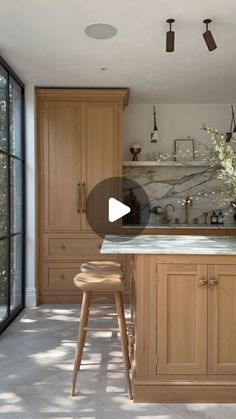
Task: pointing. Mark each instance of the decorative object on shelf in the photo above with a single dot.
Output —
(205, 216)
(170, 37)
(211, 45)
(223, 159)
(233, 205)
(135, 149)
(155, 135)
(133, 217)
(156, 215)
(221, 218)
(214, 218)
(232, 129)
(184, 150)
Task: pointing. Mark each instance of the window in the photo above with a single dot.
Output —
(12, 234)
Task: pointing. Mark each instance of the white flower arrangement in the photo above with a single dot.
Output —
(223, 158)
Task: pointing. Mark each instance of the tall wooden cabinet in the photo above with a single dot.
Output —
(79, 144)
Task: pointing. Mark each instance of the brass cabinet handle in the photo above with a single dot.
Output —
(62, 276)
(62, 246)
(203, 281)
(78, 197)
(213, 281)
(99, 246)
(84, 197)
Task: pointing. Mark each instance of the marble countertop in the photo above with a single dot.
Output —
(188, 226)
(156, 244)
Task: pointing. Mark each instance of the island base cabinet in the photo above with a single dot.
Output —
(185, 328)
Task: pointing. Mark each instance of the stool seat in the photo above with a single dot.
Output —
(100, 281)
(105, 265)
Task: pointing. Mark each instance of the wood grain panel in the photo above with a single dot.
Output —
(62, 167)
(222, 320)
(59, 276)
(181, 320)
(100, 154)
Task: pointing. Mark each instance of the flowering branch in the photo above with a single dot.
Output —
(223, 158)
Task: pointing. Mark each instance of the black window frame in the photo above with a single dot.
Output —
(13, 313)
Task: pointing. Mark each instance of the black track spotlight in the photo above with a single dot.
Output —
(230, 135)
(170, 37)
(208, 36)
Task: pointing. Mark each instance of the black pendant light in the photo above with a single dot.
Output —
(170, 37)
(232, 129)
(208, 36)
(155, 134)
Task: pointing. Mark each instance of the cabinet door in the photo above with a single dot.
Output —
(61, 166)
(181, 319)
(101, 151)
(222, 319)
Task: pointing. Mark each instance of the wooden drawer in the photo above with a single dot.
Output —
(67, 248)
(59, 276)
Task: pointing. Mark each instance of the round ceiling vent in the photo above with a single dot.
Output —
(100, 31)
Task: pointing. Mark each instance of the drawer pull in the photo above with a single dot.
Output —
(78, 197)
(213, 281)
(203, 281)
(62, 276)
(62, 246)
(84, 197)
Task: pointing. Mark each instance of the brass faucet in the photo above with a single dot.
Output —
(188, 203)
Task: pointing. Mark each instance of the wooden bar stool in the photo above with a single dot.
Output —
(105, 265)
(100, 281)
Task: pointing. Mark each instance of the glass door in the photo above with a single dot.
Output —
(12, 235)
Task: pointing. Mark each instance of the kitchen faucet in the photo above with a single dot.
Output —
(167, 217)
(188, 203)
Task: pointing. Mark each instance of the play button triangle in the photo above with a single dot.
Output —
(116, 209)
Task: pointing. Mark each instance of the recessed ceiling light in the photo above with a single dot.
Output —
(100, 31)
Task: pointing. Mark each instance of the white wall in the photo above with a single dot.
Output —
(30, 197)
(173, 122)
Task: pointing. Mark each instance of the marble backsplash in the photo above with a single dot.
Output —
(172, 185)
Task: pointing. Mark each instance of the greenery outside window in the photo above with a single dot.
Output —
(12, 195)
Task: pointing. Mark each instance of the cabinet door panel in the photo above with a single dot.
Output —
(100, 151)
(181, 319)
(61, 172)
(222, 320)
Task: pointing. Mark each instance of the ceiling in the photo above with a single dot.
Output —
(44, 41)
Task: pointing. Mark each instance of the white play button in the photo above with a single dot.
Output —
(116, 209)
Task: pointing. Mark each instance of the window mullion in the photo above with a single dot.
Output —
(8, 196)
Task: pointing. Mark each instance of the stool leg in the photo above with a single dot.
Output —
(123, 336)
(126, 335)
(81, 336)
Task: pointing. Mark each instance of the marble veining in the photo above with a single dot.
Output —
(171, 185)
(160, 244)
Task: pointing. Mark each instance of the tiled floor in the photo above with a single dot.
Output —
(36, 356)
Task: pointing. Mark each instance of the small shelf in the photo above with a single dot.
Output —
(165, 163)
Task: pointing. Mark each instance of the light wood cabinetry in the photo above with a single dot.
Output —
(185, 322)
(79, 144)
(181, 309)
(222, 319)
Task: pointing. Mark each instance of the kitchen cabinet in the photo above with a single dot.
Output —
(196, 319)
(185, 322)
(79, 144)
(222, 319)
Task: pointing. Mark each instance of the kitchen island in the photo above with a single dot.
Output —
(184, 314)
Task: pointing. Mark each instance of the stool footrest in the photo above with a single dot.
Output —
(102, 308)
(93, 316)
(102, 329)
